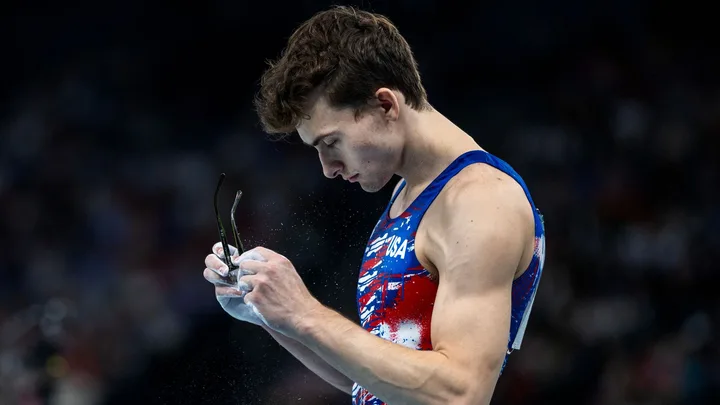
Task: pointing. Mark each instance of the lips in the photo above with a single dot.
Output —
(354, 178)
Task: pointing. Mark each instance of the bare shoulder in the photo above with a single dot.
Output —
(481, 187)
(478, 203)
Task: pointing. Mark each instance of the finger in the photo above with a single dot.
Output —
(266, 253)
(218, 250)
(230, 292)
(217, 279)
(253, 254)
(248, 282)
(248, 300)
(252, 267)
(214, 263)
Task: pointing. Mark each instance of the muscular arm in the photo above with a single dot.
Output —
(476, 254)
(313, 362)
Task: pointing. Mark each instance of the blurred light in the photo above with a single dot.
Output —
(57, 367)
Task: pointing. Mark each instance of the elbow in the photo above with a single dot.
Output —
(474, 398)
(467, 395)
(459, 382)
(473, 388)
(453, 389)
(477, 394)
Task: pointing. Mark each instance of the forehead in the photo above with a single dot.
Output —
(323, 119)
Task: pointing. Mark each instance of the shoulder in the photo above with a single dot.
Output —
(480, 208)
(481, 188)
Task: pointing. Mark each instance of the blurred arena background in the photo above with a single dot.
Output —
(117, 118)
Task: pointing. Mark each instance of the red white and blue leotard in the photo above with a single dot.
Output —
(396, 294)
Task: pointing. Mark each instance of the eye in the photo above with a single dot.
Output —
(329, 143)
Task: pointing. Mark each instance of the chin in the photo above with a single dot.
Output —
(371, 187)
(368, 189)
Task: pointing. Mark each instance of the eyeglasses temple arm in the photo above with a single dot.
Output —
(238, 242)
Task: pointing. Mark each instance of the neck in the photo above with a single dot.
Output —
(432, 142)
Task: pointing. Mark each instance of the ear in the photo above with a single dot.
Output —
(389, 102)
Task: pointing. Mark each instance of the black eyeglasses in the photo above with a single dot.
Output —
(221, 229)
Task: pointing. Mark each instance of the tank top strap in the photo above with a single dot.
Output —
(426, 198)
(430, 193)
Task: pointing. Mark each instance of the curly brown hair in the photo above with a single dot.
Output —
(346, 52)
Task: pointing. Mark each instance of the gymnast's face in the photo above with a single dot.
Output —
(365, 149)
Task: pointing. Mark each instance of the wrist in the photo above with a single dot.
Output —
(308, 322)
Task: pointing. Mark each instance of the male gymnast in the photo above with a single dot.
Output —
(450, 271)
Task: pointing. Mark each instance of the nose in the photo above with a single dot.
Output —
(331, 167)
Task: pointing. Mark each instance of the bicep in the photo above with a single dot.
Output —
(471, 325)
(477, 255)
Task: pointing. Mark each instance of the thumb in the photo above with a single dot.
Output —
(217, 249)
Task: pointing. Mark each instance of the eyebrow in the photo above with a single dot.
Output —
(319, 138)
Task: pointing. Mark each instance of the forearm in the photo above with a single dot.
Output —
(395, 374)
(313, 362)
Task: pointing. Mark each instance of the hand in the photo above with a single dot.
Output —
(275, 290)
(228, 295)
